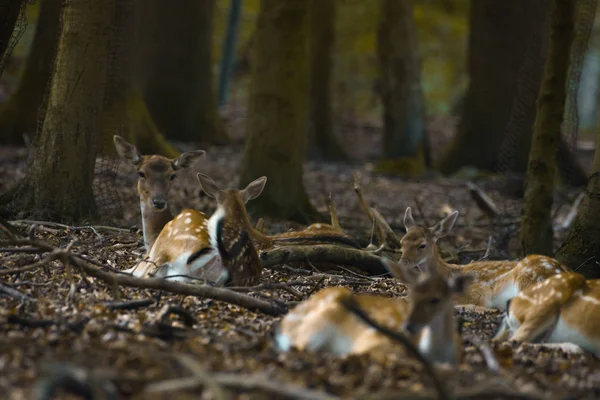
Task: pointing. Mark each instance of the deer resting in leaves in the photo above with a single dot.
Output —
(495, 282)
(322, 323)
(563, 310)
(179, 247)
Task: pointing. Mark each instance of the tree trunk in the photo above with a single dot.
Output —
(404, 138)
(175, 69)
(126, 113)
(278, 110)
(58, 184)
(322, 142)
(9, 15)
(495, 60)
(536, 225)
(19, 114)
(581, 248)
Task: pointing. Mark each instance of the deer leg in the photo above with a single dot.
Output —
(535, 330)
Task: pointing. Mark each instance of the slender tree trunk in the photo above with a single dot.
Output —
(174, 67)
(495, 60)
(536, 225)
(581, 248)
(9, 14)
(125, 113)
(322, 141)
(58, 184)
(404, 140)
(278, 110)
(19, 114)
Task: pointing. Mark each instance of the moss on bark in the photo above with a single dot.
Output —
(58, 184)
(278, 110)
(581, 248)
(536, 225)
(19, 114)
(174, 69)
(403, 108)
(322, 141)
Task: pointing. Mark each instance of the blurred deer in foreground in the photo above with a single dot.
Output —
(563, 311)
(155, 178)
(322, 323)
(495, 282)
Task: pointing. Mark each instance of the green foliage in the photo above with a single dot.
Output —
(442, 33)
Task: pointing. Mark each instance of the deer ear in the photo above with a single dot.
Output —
(254, 189)
(445, 225)
(459, 284)
(209, 186)
(409, 221)
(187, 159)
(126, 150)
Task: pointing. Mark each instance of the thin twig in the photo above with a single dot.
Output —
(74, 228)
(15, 294)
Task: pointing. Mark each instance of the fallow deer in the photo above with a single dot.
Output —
(155, 177)
(495, 282)
(563, 311)
(322, 323)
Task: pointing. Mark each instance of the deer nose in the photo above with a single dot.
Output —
(158, 203)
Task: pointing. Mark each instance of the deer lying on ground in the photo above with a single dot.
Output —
(495, 282)
(172, 241)
(563, 310)
(322, 323)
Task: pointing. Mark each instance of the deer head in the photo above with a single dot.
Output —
(155, 173)
(419, 243)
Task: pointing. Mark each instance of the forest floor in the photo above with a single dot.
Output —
(53, 328)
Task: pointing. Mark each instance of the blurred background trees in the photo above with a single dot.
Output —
(407, 88)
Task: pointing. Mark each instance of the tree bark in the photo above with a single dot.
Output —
(58, 184)
(581, 248)
(404, 139)
(278, 110)
(174, 67)
(9, 14)
(322, 141)
(125, 113)
(536, 225)
(19, 114)
(495, 59)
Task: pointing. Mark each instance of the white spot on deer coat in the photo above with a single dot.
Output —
(188, 220)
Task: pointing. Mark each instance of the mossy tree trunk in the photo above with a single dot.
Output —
(536, 225)
(9, 14)
(174, 67)
(278, 110)
(322, 141)
(58, 184)
(19, 114)
(126, 113)
(581, 248)
(495, 57)
(404, 139)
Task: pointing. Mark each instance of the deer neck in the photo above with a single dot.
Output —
(232, 234)
(152, 223)
(436, 261)
(439, 341)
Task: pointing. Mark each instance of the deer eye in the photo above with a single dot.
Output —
(434, 301)
(422, 246)
(172, 176)
(141, 175)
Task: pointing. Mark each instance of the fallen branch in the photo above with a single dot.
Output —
(483, 201)
(15, 294)
(128, 305)
(74, 228)
(204, 291)
(360, 259)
